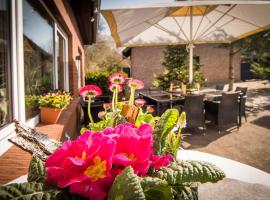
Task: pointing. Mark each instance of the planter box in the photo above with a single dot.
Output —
(50, 115)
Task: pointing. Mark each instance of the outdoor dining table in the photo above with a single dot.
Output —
(161, 97)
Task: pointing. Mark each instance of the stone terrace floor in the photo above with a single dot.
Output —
(251, 143)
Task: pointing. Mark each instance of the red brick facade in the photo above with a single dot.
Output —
(146, 62)
(75, 46)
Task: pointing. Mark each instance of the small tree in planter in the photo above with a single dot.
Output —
(52, 104)
(176, 69)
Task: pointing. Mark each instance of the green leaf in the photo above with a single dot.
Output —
(180, 172)
(163, 127)
(186, 192)
(38, 191)
(126, 186)
(36, 171)
(155, 188)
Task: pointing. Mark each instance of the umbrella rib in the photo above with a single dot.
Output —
(185, 17)
(203, 36)
(180, 28)
(240, 19)
(209, 22)
(165, 30)
(217, 20)
(201, 20)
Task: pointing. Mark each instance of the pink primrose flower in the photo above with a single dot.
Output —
(160, 161)
(84, 165)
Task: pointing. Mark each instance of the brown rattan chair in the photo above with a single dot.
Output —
(223, 112)
(243, 98)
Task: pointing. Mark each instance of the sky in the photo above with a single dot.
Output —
(125, 3)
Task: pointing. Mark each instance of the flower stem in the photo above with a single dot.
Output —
(177, 141)
(89, 110)
(113, 101)
(116, 98)
(132, 95)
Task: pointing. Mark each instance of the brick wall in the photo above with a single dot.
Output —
(215, 63)
(75, 46)
(146, 61)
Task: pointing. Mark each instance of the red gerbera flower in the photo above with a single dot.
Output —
(140, 102)
(113, 86)
(136, 84)
(117, 78)
(92, 90)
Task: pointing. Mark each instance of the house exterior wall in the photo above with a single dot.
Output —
(70, 120)
(75, 46)
(146, 61)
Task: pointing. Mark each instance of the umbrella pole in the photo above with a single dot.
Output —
(190, 46)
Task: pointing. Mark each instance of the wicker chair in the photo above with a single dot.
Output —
(243, 98)
(194, 108)
(223, 112)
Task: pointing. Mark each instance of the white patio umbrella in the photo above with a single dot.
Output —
(187, 22)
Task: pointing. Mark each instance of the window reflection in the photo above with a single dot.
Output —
(5, 103)
(60, 54)
(38, 54)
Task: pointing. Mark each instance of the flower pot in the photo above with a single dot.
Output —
(184, 88)
(50, 115)
(130, 112)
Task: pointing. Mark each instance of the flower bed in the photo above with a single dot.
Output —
(128, 154)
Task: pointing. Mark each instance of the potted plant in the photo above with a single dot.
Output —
(115, 158)
(52, 104)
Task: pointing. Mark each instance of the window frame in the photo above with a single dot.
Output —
(59, 30)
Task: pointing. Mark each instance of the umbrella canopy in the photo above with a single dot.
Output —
(187, 22)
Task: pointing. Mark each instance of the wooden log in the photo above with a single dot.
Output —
(30, 140)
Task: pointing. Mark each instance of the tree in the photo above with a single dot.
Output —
(176, 63)
(259, 53)
(103, 55)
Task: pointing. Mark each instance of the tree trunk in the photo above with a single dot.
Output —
(231, 68)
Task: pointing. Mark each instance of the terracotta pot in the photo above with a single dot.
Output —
(184, 88)
(50, 115)
(130, 112)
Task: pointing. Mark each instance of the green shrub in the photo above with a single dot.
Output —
(100, 79)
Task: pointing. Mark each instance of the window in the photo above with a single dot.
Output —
(78, 65)
(61, 57)
(45, 55)
(5, 100)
